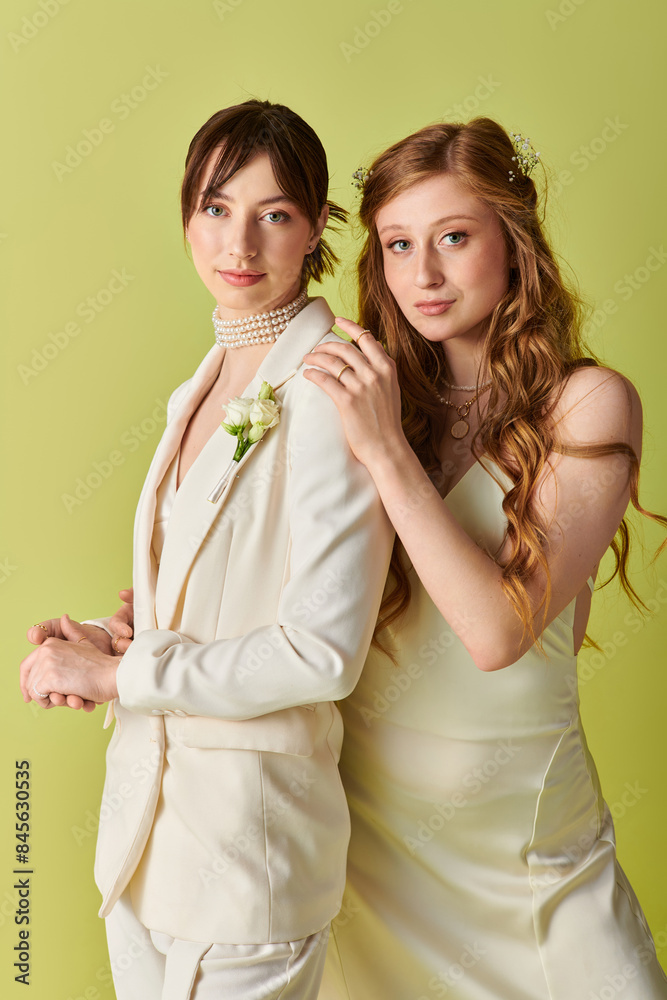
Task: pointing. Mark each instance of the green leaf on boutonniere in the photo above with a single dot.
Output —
(249, 420)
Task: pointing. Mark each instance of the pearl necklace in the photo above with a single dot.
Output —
(466, 388)
(259, 329)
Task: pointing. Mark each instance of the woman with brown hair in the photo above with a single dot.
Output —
(482, 862)
(224, 827)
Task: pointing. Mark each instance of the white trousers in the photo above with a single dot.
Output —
(150, 965)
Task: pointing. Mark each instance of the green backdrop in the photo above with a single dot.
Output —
(105, 316)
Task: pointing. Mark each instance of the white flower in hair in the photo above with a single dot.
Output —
(526, 158)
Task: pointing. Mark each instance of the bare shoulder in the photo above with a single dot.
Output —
(596, 406)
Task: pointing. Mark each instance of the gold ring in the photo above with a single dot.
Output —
(39, 625)
(341, 372)
(82, 638)
(113, 643)
(361, 335)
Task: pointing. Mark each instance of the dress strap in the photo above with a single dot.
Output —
(591, 583)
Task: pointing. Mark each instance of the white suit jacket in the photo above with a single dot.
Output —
(223, 807)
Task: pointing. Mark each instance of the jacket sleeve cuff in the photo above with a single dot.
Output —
(100, 622)
(140, 669)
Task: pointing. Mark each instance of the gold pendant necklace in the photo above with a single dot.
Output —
(460, 427)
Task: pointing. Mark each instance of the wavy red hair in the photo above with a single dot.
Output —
(533, 344)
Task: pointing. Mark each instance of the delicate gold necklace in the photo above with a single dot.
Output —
(460, 427)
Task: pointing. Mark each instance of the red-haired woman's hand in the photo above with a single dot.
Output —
(361, 380)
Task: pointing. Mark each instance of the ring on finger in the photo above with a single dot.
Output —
(82, 638)
(39, 625)
(341, 372)
(39, 694)
(361, 335)
(113, 643)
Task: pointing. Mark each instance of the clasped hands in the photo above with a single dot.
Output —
(75, 665)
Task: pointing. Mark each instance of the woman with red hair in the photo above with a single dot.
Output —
(482, 862)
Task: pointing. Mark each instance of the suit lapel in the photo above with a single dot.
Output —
(144, 564)
(192, 515)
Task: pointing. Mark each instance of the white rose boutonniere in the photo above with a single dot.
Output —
(249, 420)
(264, 414)
(238, 414)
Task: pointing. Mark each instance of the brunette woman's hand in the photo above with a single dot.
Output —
(57, 628)
(69, 671)
(366, 394)
(122, 623)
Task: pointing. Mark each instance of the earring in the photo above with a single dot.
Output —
(310, 246)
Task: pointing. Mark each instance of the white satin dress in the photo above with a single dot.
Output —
(482, 863)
